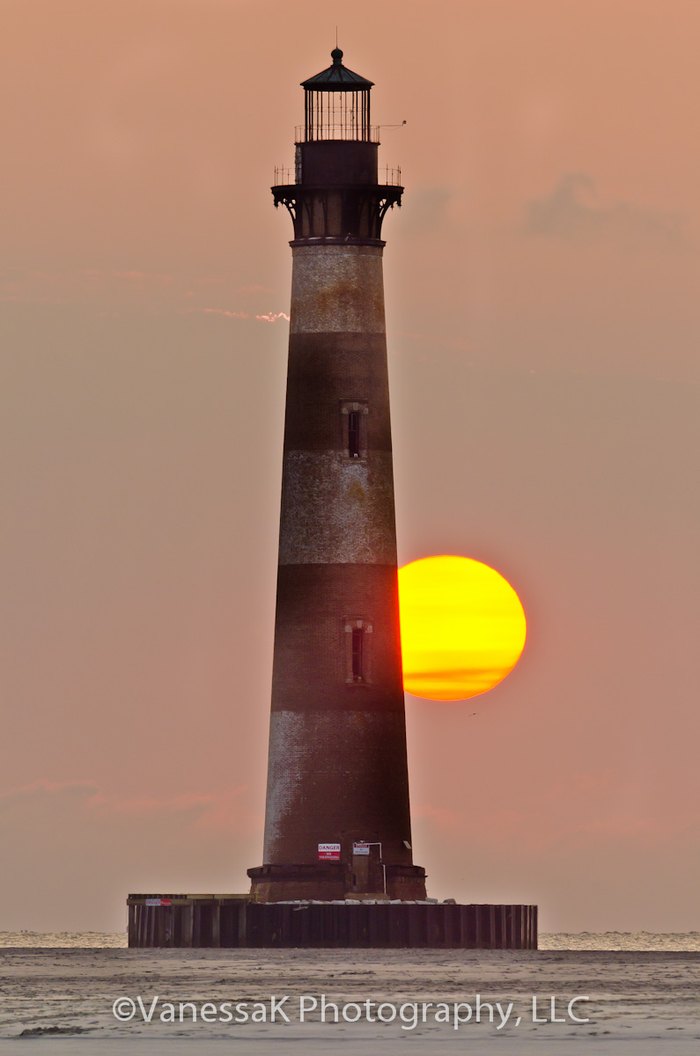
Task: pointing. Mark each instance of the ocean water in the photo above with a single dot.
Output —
(688, 941)
(579, 995)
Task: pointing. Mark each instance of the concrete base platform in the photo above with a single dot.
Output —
(233, 921)
(335, 881)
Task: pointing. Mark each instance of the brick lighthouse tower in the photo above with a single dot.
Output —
(337, 825)
(337, 821)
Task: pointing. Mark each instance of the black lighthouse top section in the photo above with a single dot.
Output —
(337, 104)
(336, 194)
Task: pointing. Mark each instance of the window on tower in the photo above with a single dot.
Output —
(354, 434)
(358, 637)
(353, 417)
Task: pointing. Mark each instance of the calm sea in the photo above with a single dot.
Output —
(631, 941)
(610, 994)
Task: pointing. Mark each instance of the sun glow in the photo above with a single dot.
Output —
(463, 627)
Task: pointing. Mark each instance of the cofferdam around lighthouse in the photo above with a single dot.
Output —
(337, 865)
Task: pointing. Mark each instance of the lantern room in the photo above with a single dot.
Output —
(337, 104)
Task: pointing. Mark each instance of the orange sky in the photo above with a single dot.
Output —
(543, 323)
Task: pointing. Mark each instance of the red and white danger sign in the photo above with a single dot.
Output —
(329, 852)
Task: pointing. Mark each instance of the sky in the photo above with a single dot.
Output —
(543, 321)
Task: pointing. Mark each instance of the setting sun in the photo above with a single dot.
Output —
(462, 627)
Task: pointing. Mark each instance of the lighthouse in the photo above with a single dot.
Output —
(337, 868)
(337, 822)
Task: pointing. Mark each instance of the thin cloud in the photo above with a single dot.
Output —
(206, 810)
(228, 313)
(440, 817)
(575, 211)
(272, 317)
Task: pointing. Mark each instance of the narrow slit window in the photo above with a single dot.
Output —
(354, 446)
(353, 436)
(358, 651)
(358, 643)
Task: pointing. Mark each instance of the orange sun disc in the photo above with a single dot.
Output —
(463, 627)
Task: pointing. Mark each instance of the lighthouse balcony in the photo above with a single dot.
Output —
(348, 130)
(388, 176)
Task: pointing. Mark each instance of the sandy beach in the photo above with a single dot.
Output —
(639, 1002)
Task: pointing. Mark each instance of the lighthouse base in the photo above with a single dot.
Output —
(234, 921)
(330, 881)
